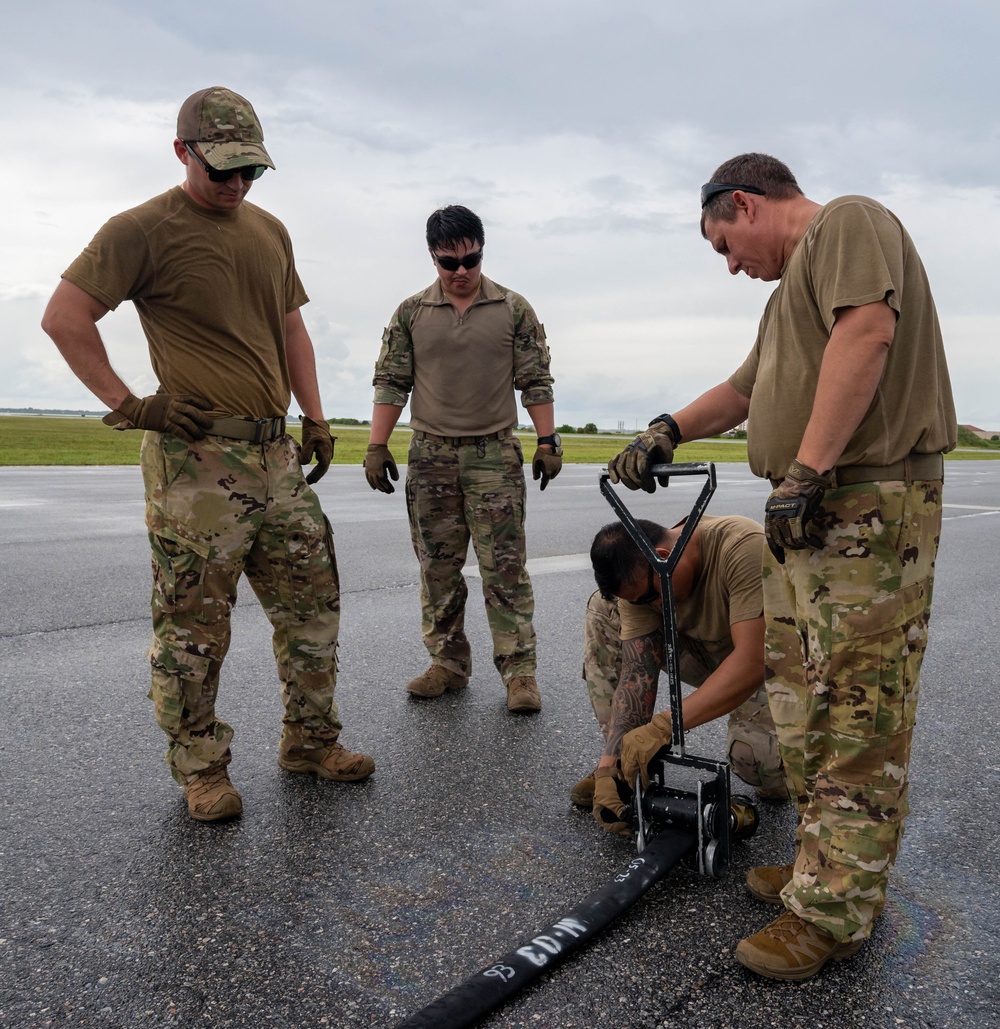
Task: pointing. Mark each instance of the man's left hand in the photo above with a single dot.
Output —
(791, 508)
(611, 800)
(546, 464)
(316, 442)
(641, 745)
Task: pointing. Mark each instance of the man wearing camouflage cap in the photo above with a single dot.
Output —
(213, 280)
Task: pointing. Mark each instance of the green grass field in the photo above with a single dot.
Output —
(44, 440)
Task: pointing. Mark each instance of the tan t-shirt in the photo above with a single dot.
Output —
(728, 590)
(211, 288)
(463, 369)
(854, 252)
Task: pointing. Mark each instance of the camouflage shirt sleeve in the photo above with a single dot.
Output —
(394, 367)
(531, 354)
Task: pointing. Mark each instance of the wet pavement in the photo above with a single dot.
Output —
(356, 905)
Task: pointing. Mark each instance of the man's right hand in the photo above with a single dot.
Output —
(641, 745)
(631, 466)
(182, 415)
(379, 465)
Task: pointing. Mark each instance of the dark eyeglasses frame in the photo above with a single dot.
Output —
(248, 173)
(452, 264)
(712, 189)
(651, 593)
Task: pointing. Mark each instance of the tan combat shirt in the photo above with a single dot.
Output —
(854, 252)
(211, 288)
(728, 590)
(460, 371)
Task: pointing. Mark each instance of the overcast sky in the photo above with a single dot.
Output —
(579, 130)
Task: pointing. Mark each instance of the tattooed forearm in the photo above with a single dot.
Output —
(636, 693)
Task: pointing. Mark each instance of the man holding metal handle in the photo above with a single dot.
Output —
(720, 630)
(849, 409)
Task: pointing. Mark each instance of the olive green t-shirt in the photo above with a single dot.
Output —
(727, 590)
(854, 252)
(211, 289)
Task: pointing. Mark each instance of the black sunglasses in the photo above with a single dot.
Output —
(248, 172)
(452, 264)
(651, 594)
(711, 189)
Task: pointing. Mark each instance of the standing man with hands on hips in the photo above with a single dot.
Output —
(213, 280)
(849, 409)
(457, 351)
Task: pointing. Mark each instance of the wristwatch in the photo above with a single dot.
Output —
(554, 441)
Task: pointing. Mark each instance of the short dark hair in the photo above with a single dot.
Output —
(615, 555)
(449, 226)
(767, 173)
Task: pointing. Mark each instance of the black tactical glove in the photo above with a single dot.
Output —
(316, 442)
(182, 415)
(654, 446)
(546, 464)
(379, 465)
(791, 507)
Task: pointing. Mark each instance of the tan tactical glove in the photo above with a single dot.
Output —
(654, 446)
(182, 415)
(791, 508)
(641, 745)
(611, 800)
(316, 442)
(545, 464)
(379, 465)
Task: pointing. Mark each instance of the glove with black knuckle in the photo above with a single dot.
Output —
(181, 415)
(612, 797)
(316, 442)
(545, 465)
(654, 446)
(379, 466)
(791, 508)
(641, 745)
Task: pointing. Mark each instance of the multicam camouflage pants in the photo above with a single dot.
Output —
(458, 492)
(846, 633)
(751, 743)
(214, 510)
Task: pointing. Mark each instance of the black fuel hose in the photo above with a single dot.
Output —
(467, 1003)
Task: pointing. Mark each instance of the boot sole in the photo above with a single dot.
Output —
(840, 953)
(431, 696)
(307, 768)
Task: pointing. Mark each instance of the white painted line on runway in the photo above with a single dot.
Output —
(974, 507)
(543, 565)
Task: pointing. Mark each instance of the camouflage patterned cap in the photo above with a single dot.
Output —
(225, 127)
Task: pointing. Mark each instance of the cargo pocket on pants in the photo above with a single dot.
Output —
(178, 681)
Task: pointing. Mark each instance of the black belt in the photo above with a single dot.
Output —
(913, 468)
(465, 441)
(251, 430)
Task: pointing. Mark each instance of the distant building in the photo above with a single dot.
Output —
(982, 433)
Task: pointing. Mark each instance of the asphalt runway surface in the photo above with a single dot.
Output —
(357, 905)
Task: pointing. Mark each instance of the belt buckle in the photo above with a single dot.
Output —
(258, 432)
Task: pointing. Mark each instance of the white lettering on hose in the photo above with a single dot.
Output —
(542, 948)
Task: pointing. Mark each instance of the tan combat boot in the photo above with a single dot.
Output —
(522, 695)
(317, 752)
(211, 797)
(582, 794)
(435, 681)
(767, 881)
(792, 948)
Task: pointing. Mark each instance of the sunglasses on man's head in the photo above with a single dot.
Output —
(452, 264)
(712, 189)
(249, 172)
